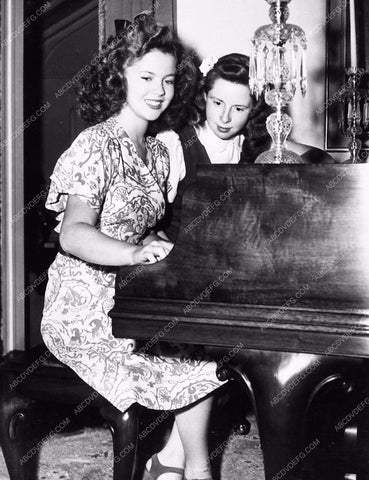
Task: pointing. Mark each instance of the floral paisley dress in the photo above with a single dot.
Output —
(103, 169)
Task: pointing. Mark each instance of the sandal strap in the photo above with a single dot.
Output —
(157, 468)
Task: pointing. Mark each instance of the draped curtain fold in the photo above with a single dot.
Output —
(110, 10)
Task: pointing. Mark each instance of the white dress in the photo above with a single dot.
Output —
(218, 150)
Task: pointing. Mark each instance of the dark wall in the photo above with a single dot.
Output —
(57, 48)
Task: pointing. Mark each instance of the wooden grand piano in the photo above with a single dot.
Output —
(274, 257)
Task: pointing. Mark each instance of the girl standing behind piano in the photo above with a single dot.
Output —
(108, 190)
(224, 125)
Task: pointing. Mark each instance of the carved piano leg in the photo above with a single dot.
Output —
(279, 425)
(125, 430)
(282, 385)
(230, 409)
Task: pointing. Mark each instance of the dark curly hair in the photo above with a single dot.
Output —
(103, 90)
(234, 67)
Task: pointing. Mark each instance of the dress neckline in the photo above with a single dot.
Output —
(219, 150)
(119, 131)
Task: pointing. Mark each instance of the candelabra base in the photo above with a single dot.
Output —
(284, 156)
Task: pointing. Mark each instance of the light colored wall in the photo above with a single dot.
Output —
(217, 27)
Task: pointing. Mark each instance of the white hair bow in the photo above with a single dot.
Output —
(207, 64)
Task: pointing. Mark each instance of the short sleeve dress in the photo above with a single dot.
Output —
(103, 169)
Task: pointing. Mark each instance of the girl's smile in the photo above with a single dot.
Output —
(150, 86)
(155, 104)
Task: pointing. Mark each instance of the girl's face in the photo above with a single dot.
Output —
(150, 85)
(228, 107)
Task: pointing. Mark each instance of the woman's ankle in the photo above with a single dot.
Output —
(198, 473)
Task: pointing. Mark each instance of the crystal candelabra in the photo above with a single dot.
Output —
(353, 112)
(277, 66)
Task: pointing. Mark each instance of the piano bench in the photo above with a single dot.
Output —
(30, 382)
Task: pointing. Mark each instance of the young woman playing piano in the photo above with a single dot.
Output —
(108, 190)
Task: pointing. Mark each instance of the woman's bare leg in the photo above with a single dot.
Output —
(187, 446)
(192, 424)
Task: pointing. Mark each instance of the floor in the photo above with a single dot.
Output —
(86, 454)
